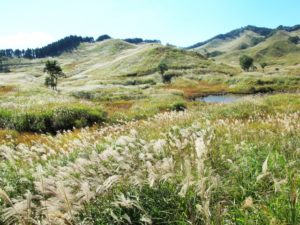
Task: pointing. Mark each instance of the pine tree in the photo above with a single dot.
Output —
(54, 71)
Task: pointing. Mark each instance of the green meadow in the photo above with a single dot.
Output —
(115, 144)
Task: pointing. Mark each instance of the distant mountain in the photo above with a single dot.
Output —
(261, 31)
(280, 46)
(234, 34)
(259, 42)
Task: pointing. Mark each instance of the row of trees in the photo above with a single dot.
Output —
(54, 49)
(66, 44)
(140, 40)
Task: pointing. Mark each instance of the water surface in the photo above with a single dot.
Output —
(227, 98)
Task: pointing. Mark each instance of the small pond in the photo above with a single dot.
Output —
(227, 98)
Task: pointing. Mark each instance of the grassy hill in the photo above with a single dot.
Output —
(115, 62)
(230, 43)
(234, 34)
(119, 58)
(115, 76)
(117, 145)
(270, 46)
(115, 70)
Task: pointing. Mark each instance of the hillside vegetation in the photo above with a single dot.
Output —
(272, 46)
(127, 138)
(112, 63)
(202, 166)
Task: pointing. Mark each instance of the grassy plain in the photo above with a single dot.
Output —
(115, 145)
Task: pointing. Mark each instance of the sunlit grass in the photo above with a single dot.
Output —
(153, 156)
(233, 164)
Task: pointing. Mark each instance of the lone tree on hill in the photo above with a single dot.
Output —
(162, 67)
(54, 71)
(263, 65)
(246, 62)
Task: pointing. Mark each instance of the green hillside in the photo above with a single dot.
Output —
(275, 49)
(126, 137)
(121, 78)
(116, 70)
(115, 61)
(219, 46)
(118, 58)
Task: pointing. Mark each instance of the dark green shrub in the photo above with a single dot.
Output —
(264, 89)
(53, 120)
(243, 46)
(178, 106)
(34, 122)
(256, 40)
(67, 118)
(264, 82)
(166, 78)
(261, 89)
(294, 39)
(83, 95)
(246, 62)
(215, 53)
(138, 82)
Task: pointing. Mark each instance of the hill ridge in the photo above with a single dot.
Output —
(263, 31)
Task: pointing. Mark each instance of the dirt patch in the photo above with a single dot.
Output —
(117, 107)
(6, 89)
(201, 88)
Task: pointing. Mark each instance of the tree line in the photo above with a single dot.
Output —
(140, 40)
(54, 49)
(66, 44)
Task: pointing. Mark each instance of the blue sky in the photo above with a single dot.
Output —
(33, 23)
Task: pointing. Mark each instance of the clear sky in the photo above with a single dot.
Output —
(34, 23)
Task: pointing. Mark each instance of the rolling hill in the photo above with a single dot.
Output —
(115, 62)
(272, 46)
(232, 39)
(115, 69)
